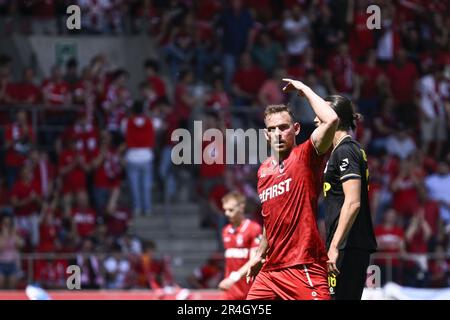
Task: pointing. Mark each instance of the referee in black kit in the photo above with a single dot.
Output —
(350, 237)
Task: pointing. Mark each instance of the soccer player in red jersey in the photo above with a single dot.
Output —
(241, 238)
(291, 253)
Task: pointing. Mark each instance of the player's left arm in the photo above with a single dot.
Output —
(350, 176)
(349, 212)
(322, 136)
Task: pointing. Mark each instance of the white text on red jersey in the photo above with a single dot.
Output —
(275, 190)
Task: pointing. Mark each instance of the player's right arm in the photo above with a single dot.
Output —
(256, 262)
(323, 135)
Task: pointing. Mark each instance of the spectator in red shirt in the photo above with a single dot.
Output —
(212, 168)
(417, 235)
(156, 82)
(371, 78)
(85, 133)
(56, 91)
(117, 220)
(85, 91)
(391, 240)
(361, 38)
(51, 273)
(341, 77)
(107, 170)
(247, 81)
(50, 227)
(403, 76)
(185, 101)
(116, 103)
(56, 97)
(140, 142)
(83, 216)
(148, 95)
(406, 187)
(26, 201)
(26, 92)
(43, 172)
(19, 138)
(431, 213)
(72, 172)
(270, 92)
(218, 99)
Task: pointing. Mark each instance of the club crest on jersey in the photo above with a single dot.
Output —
(239, 240)
(343, 165)
(269, 170)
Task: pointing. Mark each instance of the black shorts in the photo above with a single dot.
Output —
(349, 284)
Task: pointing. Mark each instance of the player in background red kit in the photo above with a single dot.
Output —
(291, 253)
(241, 238)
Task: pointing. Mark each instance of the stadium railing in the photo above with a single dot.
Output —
(415, 264)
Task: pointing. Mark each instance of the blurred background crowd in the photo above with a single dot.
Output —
(74, 177)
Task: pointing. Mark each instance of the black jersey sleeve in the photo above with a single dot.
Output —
(348, 162)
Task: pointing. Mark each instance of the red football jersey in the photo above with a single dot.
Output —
(74, 180)
(237, 243)
(84, 220)
(21, 191)
(16, 154)
(289, 195)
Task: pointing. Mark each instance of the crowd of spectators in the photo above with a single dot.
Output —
(63, 182)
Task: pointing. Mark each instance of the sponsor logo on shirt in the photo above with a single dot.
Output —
(275, 190)
(343, 165)
(238, 253)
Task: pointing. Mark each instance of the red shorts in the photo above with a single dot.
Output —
(301, 282)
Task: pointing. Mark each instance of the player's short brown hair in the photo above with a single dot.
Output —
(236, 195)
(277, 108)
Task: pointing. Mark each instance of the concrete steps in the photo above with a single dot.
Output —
(176, 231)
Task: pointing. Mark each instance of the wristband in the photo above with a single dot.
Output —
(235, 276)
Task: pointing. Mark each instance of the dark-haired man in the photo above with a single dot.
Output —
(350, 236)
